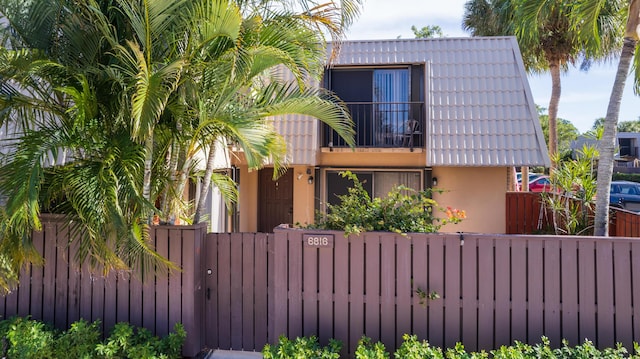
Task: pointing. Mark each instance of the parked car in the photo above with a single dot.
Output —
(532, 176)
(540, 184)
(626, 195)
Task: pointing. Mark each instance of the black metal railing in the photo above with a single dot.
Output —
(382, 124)
(630, 151)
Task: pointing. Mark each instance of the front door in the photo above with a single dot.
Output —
(275, 200)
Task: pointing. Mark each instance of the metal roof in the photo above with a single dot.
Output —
(300, 131)
(480, 107)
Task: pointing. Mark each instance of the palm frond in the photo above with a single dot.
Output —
(152, 91)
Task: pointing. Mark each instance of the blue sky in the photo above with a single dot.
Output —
(585, 95)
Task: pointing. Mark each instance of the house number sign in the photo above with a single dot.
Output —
(318, 240)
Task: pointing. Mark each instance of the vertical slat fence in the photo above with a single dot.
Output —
(236, 274)
(61, 291)
(627, 224)
(526, 215)
(240, 291)
(493, 289)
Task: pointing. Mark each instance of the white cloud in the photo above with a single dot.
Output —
(385, 19)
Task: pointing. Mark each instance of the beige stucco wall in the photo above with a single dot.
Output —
(303, 195)
(479, 191)
(248, 200)
(373, 157)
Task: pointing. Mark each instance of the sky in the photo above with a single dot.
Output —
(585, 95)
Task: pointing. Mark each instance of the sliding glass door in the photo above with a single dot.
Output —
(391, 99)
(379, 101)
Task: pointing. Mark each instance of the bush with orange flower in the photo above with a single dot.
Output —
(403, 210)
(454, 215)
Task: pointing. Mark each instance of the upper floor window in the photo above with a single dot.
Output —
(386, 104)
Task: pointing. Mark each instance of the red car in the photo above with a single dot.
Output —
(540, 184)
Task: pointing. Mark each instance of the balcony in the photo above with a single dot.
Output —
(382, 125)
(627, 150)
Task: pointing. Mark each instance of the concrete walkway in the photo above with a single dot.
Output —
(233, 354)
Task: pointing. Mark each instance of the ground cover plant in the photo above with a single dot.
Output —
(412, 348)
(24, 338)
(306, 347)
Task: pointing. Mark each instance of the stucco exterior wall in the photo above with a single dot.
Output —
(303, 195)
(479, 191)
(373, 158)
(248, 200)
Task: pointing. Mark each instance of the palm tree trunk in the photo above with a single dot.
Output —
(608, 142)
(554, 69)
(172, 161)
(146, 182)
(181, 184)
(206, 183)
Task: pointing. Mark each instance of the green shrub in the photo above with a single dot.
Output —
(633, 177)
(403, 210)
(26, 339)
(302, 348)
(23, 338)
(79, 341)
(127, 341)
(369, 350)
(412, 348)
(572, 200)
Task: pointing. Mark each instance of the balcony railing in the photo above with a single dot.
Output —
(629, 151)
(382, 124)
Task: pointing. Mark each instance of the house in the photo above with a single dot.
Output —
(626, 158)
(451, 113)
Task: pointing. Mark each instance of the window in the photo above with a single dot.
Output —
(376, 183)
(628, 190)
(381, 101)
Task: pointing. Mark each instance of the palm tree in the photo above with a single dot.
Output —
(488, 17)
(301, 52)
(130, 91)
(59, 87)
(547, 39)
(587, 13)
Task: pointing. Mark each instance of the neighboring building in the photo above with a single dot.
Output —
(456, 111)
(626, 158)
(628, 145)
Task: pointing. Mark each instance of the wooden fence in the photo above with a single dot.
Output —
(527, 215)
(493, 289)
(60, 292)
(627, 224)
(241, 291)
(239, 279)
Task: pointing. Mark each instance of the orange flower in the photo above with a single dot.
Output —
(449, 212)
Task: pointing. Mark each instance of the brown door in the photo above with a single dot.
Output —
(275, 200)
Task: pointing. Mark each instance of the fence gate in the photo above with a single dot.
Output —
(236, 286)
